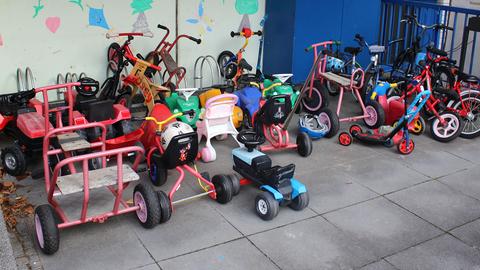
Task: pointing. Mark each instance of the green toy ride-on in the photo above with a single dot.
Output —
(182, 100)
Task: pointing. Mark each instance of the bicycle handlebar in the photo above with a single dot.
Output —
(135, 59)
(163, 27)
(414, 19)
(112, 35)
(233, 34)
(197, 40)
(173, 116)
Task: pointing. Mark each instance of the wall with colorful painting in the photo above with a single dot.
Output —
(60, 36)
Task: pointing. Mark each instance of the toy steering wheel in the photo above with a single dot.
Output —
(88, 87)
(250, 139)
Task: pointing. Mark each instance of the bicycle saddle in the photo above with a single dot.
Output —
(353, 50)
(244, 65)
(467, 78)
(436, 51)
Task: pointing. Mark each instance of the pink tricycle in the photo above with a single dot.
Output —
(50, 218)
(372, 113)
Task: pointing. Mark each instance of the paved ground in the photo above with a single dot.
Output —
(370, 208)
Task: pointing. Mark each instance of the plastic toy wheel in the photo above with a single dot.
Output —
(113, 57)
(300, 202)
(158, 172)
(208, 154)
(329, 118)
(13, 160)
(133, 155)
(230, 70)
(304, 144)
(266, 206)
(345, 139)
(223, 188)
(389, 143)
(418, 126)
(146, 199)
(452, 129)
(223, 59)
(165, 206)
(376, 114)
(354, 129)
(94, 163)
(235, 183)
(46, 230)
(313, 103)
(221, 137)
(403, 149)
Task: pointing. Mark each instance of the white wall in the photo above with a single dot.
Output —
(77, 47)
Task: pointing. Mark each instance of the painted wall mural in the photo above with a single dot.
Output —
(246, 6)
(96, 17)
(140, 7)
(37, 8)
(53, 23)
(77, 2)
(204, 23)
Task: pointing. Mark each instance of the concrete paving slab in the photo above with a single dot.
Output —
(333, 189)
(312, 244)
(7, 259)
(152, 266)
(112, 245)
(438, 204)
(383, 175)
(466, 181)
(382, 226)
(193, 226)
(433, 162)
(238, 254)
(442, 253)
(469, 233)
(240, 212)
(380, 265)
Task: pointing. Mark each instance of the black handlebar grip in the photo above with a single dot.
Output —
(162, 27)
(258, 33)
(197, 40)
(232, 34)
(189, 112)
(139, 56)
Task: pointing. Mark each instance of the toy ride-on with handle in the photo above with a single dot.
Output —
(183, 100)
(174, 145)
(387, 135)
(279, 186)
(50, 218)
(217, 121)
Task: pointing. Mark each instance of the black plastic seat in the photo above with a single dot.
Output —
(353, 50)
(93, 109)
(182, 149)
(245, 65)
(261, 163)
(278, 174)
(468, 78)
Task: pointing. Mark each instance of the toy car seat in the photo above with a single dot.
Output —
(182, 149)
(249, 99)
(217, 121)
(312, 125)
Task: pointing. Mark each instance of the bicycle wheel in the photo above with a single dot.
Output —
(442, 77)
(469, 106)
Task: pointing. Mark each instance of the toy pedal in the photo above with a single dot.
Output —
(72, 141)
(73, 183)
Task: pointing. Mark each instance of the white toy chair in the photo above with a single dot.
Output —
(217, 122)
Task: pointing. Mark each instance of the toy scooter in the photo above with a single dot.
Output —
(277, 183)
(182, 100)
(386, 135)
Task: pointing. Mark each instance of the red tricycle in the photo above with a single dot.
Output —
(172, 144)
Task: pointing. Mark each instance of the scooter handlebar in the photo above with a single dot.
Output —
(162, 27)
(197, 40)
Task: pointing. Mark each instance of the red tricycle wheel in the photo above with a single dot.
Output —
(403, 149)
(345, 139)
(355, 128)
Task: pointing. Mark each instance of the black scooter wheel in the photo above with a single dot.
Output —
(304, 144)
(223, 188)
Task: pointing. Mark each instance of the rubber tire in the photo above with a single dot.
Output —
(380, 114)
(342, 134)
(300, 202)
(459, 105)
(51, 235)
(152, 204)
(223, 188)
(94, 163)
(363, 92)
(304, 144)
(162, 172)
(272, 206)
(235, 183)
(165, 207)
(222, 55)
(20, 160)
(451, 138)
(307, 105)
(230, 71)
(411, 149)
(423, 126)
(116, 47)
(334, 122)
(437, 72)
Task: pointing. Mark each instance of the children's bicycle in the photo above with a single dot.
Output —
(232, 66)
